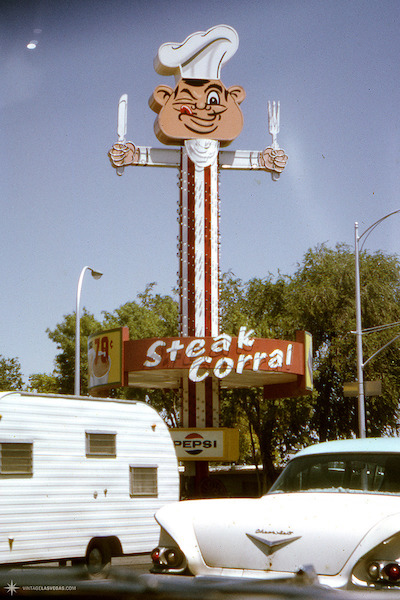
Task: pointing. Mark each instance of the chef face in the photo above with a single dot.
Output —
(198, 108)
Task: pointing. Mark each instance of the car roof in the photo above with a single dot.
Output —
(384, 444)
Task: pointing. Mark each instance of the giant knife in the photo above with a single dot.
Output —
(122, 124)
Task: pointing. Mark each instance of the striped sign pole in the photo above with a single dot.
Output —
(199, 279)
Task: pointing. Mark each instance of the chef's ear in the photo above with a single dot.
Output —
(160, 97)
(238, 93)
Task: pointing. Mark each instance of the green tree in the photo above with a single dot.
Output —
(42, 383)
(321, 299)
(64, 336)
(153, 315)
(10, 374)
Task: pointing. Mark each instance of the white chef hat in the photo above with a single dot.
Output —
(200, 56)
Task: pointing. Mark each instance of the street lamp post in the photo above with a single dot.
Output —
(360, 366)
(359, 330)
(95, 275)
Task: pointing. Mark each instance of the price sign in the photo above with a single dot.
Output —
(105, 358)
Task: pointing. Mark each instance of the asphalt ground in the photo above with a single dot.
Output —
(139, 564)
(50, 579)
(129, 579)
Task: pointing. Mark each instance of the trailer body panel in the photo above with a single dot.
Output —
(74, 469)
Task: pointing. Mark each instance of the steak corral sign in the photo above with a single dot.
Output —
(235, 361)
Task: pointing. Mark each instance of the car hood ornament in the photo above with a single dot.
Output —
(270, 546)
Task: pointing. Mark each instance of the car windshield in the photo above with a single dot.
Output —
(358, 472)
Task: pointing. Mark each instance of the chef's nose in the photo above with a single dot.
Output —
(201, 104)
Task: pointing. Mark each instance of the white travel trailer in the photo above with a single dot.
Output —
(81, 478)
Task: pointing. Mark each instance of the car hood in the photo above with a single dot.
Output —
(279, 532)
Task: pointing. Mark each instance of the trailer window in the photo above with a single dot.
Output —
(143, 481)
(16, 458)
(101, 444)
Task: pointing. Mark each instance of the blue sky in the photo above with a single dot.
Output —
(334, 67)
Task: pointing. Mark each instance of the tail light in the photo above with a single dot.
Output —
(392, 571)
(384, 572)
(173, 557)
(155, 556)
(168, 559)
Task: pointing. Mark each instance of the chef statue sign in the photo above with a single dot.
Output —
(200, 115)
(197, 117)
(200, 112)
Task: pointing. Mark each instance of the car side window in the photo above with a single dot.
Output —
(391, 475)
(378, 473)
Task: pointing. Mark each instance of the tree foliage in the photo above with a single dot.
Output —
(10, 374)
(322, 301)
(64, 336)
(152, 315)
(42, 383)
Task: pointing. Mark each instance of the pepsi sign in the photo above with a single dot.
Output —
(212, 444)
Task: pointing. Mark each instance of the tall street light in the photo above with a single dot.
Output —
(360, 365)
(359, 331)
(95, 275)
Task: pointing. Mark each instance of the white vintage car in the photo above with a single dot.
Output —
(336, 506)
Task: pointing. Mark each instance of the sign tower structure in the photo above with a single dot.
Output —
(201, 116)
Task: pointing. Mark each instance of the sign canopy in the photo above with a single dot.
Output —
(235, 362)
(241, 361)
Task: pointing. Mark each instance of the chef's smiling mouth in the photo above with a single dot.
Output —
(194, 124)
(198, 132)
(200, 121)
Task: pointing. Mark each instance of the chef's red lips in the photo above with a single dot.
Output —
(185, 110)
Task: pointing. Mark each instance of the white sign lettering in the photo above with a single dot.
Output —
(258, 358)
(199, 365)
(194, 368)
(195, 348)
(151, 353)
(222, 343)
(173, 349)
(223, 367)
(276, 359)
(244, 337)
(242, 360)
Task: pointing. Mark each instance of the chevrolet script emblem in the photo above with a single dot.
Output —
(271, 546)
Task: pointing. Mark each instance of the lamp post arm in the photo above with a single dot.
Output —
(372, 227)
(380, 349)
(378, 328)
